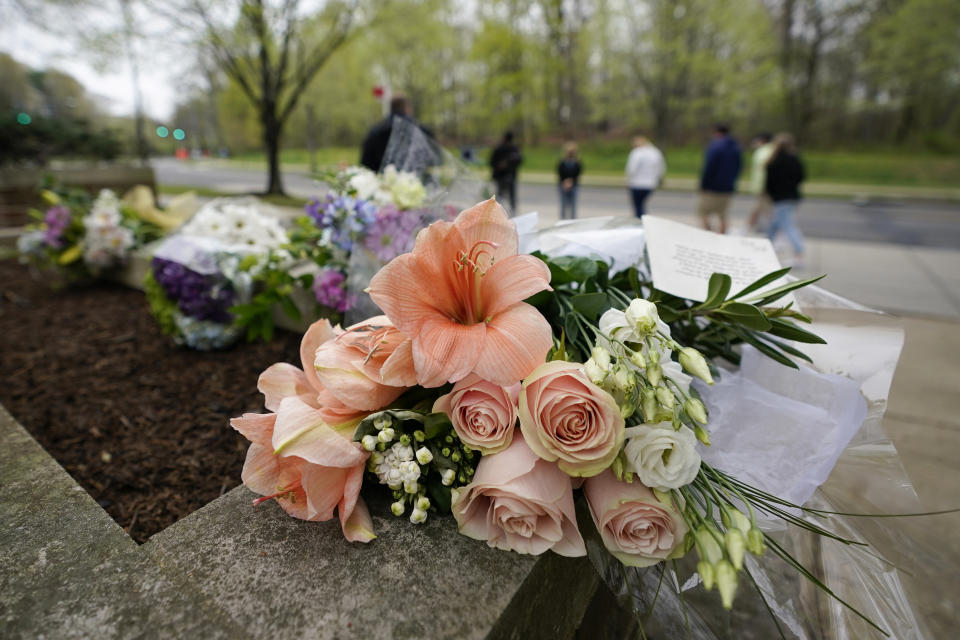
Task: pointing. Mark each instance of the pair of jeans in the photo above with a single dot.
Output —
(784, 214)
(507, 192)
(639, 200)
(568, 202)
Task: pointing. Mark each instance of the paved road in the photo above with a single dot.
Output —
(912, 223)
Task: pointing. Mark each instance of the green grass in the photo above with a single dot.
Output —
(888, 168)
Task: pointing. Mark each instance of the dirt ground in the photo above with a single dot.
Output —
(141, 424)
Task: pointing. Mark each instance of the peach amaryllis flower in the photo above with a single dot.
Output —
(459, 295)
(302, 454)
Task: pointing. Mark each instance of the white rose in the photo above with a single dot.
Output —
(662, 458)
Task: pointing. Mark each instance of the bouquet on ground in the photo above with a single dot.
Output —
(198, 275)
(495, 386)
(79, 238)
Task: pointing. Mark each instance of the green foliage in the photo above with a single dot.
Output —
(46, 138)
(582, 291)
(161, 307)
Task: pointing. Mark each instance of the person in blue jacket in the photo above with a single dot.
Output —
(718, 180)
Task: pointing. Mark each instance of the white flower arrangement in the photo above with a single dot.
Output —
(107, 242)
(239, 222)
(400, 188)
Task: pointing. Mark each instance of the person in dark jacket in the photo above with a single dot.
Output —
(375, 144)
(785, 172)
(504, 162)
(568, 174)
(718, 180)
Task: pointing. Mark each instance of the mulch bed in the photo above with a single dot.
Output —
(141, 424)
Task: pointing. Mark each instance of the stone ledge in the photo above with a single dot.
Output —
(229, 570)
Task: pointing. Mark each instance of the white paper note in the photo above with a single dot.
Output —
(682, 258)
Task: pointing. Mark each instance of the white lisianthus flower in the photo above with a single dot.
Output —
(661, 457)
(642, 316)
(408, 192)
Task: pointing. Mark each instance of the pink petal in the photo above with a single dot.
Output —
(350, 386)
(324, 489)
(487, 221)
(300, 431)
(517, 342)
(266, 474)
(318, 333)
(445, 351)
(355, 519)
(283, 380)
(398, 369)
(512, 280)
(503, 467)
(256, 427)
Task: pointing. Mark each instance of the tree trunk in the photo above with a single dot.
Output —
(271, 144)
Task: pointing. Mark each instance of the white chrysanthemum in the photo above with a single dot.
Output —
(363, 182)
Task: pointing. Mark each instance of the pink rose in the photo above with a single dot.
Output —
(519, 502)
(567, 418)
(483, 413)
(635, 525)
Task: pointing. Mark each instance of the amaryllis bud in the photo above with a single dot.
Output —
(694, 363)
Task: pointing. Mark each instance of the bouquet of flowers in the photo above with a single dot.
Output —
(197, 276)
(78, 238)
(496, 385)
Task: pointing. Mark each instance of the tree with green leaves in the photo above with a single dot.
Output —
(272, 52)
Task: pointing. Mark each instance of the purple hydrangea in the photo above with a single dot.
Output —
(57, 219)
(346, 217)
(392, 233)
(330, 288)
(198, 296)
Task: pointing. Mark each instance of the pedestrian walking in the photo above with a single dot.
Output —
(568, 174)
(504, 163)
(718, 180)
(784, 174)
(645, 169)
(762, 151)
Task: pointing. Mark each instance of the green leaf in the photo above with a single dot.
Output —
(540, 299)
(767, 350)
(288, 306)
(667, 314)
(745, 314)
(789, 331)
(717, 290)
(756, 284)
(591, 305)
(439, 495)
(436, 424)
(570, 327)
(578, 268)
(775, 294)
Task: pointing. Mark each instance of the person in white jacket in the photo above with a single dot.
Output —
(645, 169)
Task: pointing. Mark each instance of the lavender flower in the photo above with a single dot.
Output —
(347, 218)
(198, 296)
(392, 233)
(330, 289)
(57, 219)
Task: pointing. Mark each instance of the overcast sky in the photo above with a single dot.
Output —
(31, 46)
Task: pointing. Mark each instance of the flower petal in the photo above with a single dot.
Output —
(324, 488)
(517, 342)
(283, 380)
(256, 427)
(318, 333)
(301, 431)
(354, 517)
(512, 280)
(398, 369)
(446, 351)
(488, 221)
